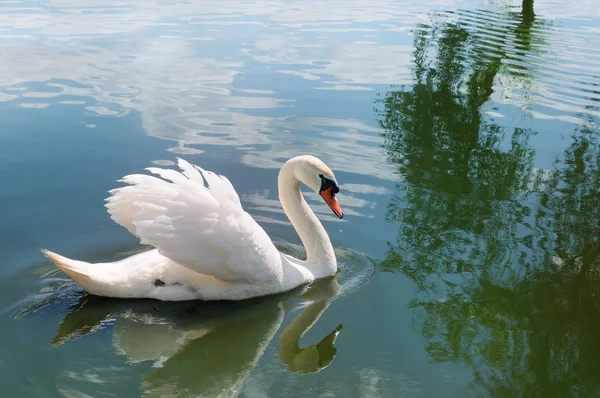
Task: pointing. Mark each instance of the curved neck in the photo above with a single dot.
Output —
(315, 357)
(289, 339)
(319, 251)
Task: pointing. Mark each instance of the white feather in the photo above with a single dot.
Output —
(206, 245)
(203, 228)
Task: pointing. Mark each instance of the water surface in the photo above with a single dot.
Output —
(465, 137)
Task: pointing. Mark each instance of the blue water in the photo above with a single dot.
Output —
(464, 135)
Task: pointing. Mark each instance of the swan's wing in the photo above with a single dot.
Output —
(196, 219)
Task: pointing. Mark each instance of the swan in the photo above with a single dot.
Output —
(205, 245)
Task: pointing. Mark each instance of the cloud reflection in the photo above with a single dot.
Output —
(163, 61)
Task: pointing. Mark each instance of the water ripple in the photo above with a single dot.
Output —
(555, 65)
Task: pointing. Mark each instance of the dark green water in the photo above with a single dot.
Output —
(465, 137)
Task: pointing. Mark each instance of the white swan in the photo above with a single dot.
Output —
(206, 246)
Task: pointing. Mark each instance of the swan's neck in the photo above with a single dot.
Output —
(290, 337)
(321, 259)
(315, 357)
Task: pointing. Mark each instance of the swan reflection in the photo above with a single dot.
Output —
(208, 348)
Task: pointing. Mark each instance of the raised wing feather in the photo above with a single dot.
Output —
(196, 219)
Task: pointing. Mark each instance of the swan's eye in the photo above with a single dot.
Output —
(326, 183)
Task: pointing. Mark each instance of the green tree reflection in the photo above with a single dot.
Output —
(505, 259)
(455, 178)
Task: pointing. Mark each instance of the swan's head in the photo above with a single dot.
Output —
(318, 177)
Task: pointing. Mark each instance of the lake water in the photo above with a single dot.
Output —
(465, 137)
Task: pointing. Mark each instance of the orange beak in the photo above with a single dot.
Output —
(331, 200)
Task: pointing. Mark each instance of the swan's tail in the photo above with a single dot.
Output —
(73, 268)
(116, 279)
